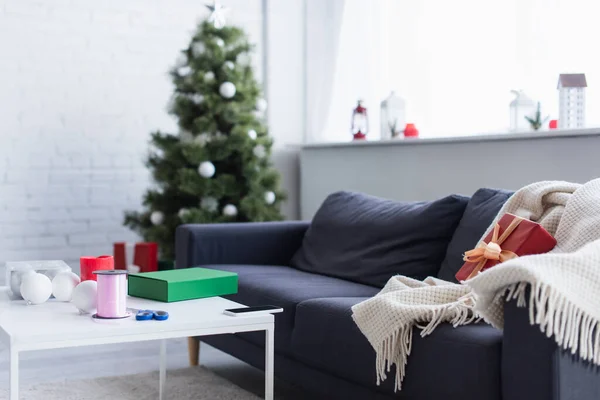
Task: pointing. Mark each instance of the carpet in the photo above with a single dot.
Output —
(184, 384)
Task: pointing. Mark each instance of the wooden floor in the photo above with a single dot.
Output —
(133, 358)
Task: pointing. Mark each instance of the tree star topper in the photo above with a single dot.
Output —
(217, 14)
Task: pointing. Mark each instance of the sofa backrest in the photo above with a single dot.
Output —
(479, 214)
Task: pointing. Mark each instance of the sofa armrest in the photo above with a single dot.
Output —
(261, 243)
(535, 368)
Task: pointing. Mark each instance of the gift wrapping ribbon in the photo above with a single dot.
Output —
(492, 250)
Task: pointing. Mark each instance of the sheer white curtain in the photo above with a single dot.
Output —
(454, 62)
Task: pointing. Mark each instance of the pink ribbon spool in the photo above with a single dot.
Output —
(112, 294)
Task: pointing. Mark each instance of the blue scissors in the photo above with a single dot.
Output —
(147, 315)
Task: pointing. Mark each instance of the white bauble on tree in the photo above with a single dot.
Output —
(202, 139)
(186, 136)
(197, 49)
(206, 169)
(157, 217)
(36, 288)
(259, 151)
(209, 203)
(227, 90)
(63, 285)
(185, 70)
(252, 134)
(209, 76)
(197, 98)
(230, 210)
(270, 197)
(219, 42)
(229, 65)
(84, 297)
(261, 105)
(184, 212)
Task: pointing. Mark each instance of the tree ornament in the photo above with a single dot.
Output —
(217, 14)
(230, 65)
(252, 134)
(36, 288)
(184, 212)
(260, 151)
(184, 71)
(202, 139)
(157, 217)
(227, 90)
(230, 210)
(206, 169)
(270, 197)
(220, 42)
(197, 98)
(261, 105)
(197, 49)
(209, 76)
(84, 297)
(63, 285)
(186, 136)
(209, 204)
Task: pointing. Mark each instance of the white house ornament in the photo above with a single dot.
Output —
(63, 285)
(157, 217)
(270, 197)
(198, 48)
(36, 288)
(217, 14)
(261, 105)
(209, 76)
(259, 151)
(252, 134)
(209, 204)
(84, 297)
(227, 90)
(206, 169)
(230, 210)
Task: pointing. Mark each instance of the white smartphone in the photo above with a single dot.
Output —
(237, 312)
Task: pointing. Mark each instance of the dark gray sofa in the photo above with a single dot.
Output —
(319, 347)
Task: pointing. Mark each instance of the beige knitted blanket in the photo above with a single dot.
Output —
(565, 295)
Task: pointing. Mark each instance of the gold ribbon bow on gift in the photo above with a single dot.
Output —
(492, 250)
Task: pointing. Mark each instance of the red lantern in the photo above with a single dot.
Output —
(360, 122)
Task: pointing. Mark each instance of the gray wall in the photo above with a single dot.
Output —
(427, 169)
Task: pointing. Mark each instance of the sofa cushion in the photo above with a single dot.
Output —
(368, 239)
(450, 363)
(260, 285)
(479, 214)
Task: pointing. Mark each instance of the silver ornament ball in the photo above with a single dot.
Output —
(206, 169)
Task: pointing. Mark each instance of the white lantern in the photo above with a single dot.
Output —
(393, 116)
(522, 106)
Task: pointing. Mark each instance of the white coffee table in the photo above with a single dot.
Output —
(54, 325)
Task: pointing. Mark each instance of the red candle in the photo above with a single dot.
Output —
(88, 265)
(411, 131)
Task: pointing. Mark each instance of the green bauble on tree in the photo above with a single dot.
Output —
(217, 168)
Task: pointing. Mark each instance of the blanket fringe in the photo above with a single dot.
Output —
(572, 327)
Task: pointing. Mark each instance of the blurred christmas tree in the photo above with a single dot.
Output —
(218, 168)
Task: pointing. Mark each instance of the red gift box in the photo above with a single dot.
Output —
(145, 256)
(511, 237)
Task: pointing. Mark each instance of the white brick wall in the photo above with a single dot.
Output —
(82, 84)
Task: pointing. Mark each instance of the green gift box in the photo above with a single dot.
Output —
(182, 284)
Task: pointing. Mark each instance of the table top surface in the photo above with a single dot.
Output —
(61, 321)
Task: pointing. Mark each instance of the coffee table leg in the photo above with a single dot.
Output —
(269, 361)
(162, 374)
(14, 374)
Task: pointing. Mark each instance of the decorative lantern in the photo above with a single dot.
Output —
(522, 106)
(360, 122)
(393, 116)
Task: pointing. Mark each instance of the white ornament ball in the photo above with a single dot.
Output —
(183, 213)
(206, 169)
(270, 197)
(252, 133)
(261, 105)
(36, 288)
(202, 139)
(209, 203)
(197, 49)
(229, 65)
(260, 151)
(197, 98)
(157, 217)
(227, 90)
(16, 278)
(220, 42)
(230, 210)
(84, 297)
(184, 71)
(186, 136)
(209, 76)
(63, 285)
